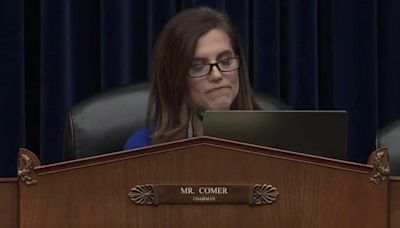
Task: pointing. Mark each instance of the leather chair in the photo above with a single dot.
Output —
(389, 136)
(103, 123)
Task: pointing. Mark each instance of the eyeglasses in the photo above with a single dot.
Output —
(224, 65)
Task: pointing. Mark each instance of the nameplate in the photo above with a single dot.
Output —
(258, 194)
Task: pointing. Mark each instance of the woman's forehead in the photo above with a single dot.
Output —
(214, 43)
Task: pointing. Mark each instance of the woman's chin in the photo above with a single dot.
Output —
(222, 105)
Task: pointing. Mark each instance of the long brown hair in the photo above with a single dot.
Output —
(168, 112)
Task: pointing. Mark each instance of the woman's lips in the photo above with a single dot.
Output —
(219, 92)
(218, 89)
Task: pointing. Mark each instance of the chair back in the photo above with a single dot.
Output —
(102, 124)
(389, 136)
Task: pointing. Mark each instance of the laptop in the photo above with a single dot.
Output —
(322, 133)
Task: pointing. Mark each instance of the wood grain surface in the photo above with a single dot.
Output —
(8, 202)
(394, 201)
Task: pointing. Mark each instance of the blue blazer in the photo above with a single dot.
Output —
(139, 139)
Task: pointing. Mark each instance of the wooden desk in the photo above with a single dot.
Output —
(93, 192)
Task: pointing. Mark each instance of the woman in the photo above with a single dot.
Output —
(198, 63)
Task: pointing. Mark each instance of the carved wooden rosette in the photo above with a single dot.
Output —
(27, 161)
(142, 194)
(379, 159)
(264, 194)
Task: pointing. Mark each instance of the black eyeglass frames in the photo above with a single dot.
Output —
(224, 65)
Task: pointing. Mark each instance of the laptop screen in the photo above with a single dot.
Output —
(322, 133)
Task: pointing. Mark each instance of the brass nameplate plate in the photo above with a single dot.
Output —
(258, 194)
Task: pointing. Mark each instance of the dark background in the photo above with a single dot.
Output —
(313, 54)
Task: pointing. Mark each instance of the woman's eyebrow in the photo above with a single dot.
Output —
(226, 53)
(223, 54)
(199, 59)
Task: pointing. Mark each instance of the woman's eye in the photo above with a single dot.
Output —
(197, 67)
(226, 62)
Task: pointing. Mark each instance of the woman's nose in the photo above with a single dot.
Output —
(215, 74)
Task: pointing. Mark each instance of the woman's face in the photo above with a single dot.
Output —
(216, 90)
